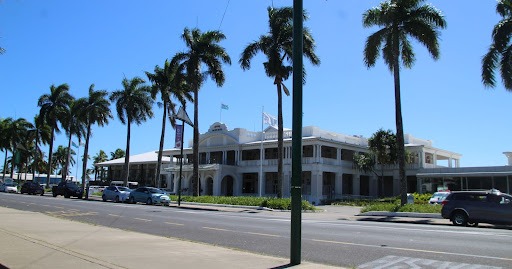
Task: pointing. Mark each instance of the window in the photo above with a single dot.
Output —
(271, 154)
(329, 152)
(307, 151)
(248, 155)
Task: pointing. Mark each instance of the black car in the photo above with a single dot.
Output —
(32, 188)
(465, 208)
(67, 189)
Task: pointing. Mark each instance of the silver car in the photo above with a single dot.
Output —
(150, 196)
(116, 194)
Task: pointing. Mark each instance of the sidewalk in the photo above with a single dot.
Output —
(35, 240)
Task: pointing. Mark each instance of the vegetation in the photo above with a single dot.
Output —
(498, 55)
(392, 204)
(274, 203)
(203, 51)
(277, 46)
(53, 106)
(168, 82)
(133, 105)
(401, 19)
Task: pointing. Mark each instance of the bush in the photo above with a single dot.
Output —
(274, 203)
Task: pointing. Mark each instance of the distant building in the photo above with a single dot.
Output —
(239, 162)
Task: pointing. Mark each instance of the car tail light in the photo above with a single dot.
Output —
(444, 202)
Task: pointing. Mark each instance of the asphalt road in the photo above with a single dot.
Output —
(336, 242)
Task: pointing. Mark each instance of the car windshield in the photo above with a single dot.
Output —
(155, 191)
(72, 186)
(440, 195)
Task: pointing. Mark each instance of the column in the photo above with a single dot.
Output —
(356, 184)
(338, 185)
(374, 186)
(316, 186)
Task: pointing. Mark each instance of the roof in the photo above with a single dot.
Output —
(144, 158)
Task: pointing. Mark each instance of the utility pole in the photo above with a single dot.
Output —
(296, 186)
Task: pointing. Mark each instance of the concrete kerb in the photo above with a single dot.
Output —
(402, 214)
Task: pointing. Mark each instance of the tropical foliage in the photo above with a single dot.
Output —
(169, 83)
(53, 107)
(202, 59)
(133, 105)
(399, 21)
(498, 55)
(277, 46)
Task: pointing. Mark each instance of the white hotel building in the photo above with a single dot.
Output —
(230, 165)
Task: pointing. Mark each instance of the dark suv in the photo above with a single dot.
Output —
(465, 208)
(32, 188)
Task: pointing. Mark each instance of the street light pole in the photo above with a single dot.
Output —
(296, 186)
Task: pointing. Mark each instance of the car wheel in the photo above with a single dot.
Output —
(116, 199)
(54, 194)
(149, 201)
(460, 218)
(132, 200)
(66, 195)
(42, 193)
(103, 198)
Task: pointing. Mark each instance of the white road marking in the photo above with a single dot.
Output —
(172, 223)
(413, 250)
(408, 262)
(142, 219)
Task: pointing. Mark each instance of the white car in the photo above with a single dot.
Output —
(116, 194)
(8, 187)
(438, 197)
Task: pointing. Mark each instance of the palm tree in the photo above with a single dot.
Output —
(499, 55)
(95, 110)
(401, 19)
(277, 46)
(60, 157)
(5, 140)
(99, 158)
(118, 153)
(53, 107)
(133, 104)
(41, 134)
(17, 133)
(169, 83)
(74, 124)
(203, 52)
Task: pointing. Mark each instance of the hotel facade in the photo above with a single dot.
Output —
(239, 162)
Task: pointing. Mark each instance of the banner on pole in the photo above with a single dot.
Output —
(179, 136)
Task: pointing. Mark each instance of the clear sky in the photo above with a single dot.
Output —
(84, 42)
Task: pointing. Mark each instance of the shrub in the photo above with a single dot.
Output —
(269, 202)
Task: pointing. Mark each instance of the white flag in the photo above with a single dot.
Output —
(269, 120)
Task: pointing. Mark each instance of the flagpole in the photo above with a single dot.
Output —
(261, 154)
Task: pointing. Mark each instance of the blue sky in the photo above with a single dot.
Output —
(84, 42)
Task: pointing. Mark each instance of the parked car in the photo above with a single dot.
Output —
(67, 189)
(32, 188)
(438, 197)
(116, 194)
(149, 195)
(9, 187)
(465, 208)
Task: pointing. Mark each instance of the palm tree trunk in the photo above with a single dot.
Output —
(195, 176)
(5, 164)
(279, 139)
(84, 162)
(66, 166)
(162, 137)
(50, 159)
(36, 156)
(399, 123)
(126, 168)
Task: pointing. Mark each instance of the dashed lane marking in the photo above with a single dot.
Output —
(147, 220)
(172, 223)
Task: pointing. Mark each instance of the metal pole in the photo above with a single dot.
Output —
(181, 161)
(260, 185)
(296, 191)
